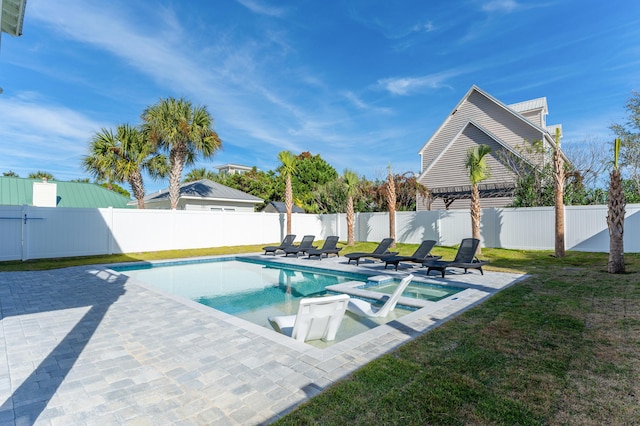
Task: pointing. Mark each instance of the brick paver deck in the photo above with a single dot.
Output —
(84, 345)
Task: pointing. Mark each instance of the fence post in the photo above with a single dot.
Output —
(23, 232)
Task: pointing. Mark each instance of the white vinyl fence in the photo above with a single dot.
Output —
(39, 232)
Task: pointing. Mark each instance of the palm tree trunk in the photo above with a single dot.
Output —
(176, 159)
(391, 202)
(350, 221)
(558, 181)
(288, 201)
(615, 221)
(137, 186)
(475, 214)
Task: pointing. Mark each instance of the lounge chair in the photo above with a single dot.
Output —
(380, 251)
(465, 259)
(329, 247)
(286, 242)
(317, 318)
(421, 254)
(305, 244)
(365, 309)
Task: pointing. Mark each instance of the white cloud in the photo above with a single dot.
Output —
(55, 136)
(427, 27)
(411, 85)
(263, 9)
(360, 104)
(500, 6)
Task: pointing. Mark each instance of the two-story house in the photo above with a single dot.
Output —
(477, 119)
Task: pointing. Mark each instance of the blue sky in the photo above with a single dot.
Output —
(363, 83)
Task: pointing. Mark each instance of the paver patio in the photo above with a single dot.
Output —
(85, 345)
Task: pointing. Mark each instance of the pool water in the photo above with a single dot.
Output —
(416, 290)
(252, 290)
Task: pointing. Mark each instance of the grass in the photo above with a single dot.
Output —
(562, 347)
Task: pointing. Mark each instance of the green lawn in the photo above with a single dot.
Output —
(562, 347)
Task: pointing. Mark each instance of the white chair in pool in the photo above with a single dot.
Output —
(366, 309)
(317, 318)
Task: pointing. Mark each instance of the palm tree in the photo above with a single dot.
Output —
(558, 185)
(615, 218)
(391, 204)
(198, 174)
(478, 169)
(41, 175)
(287, 170)
(184, 131)
(350, 181)
(121, 156)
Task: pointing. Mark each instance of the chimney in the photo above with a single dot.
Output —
(45, 194)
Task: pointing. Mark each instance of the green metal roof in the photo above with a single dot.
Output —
(17, 191)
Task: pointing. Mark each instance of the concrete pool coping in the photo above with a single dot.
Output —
(86, 345)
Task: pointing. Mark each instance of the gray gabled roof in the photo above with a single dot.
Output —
(509, 108)
(207, 190)
(530, 105)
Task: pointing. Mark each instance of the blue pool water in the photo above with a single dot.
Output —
(251, 289)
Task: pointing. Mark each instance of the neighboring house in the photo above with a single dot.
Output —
(280, 207)
(232, 169)
(204, 195)
(35, 192)
(478, 119)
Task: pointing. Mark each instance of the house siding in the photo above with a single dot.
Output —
(450, 169)
(479, 119)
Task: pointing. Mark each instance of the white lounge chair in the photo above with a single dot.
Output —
(366, 309)
(317, 318)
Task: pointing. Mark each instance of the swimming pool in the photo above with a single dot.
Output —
(254, 290)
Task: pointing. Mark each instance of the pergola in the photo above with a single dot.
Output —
(12, 16)
(491, 190)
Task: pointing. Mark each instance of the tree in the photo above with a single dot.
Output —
(331, 197)
(287, 169)
(198, 174)
(391, 204)
(558, 186)
(534, 186)
(615, 216)
(254, 182)
(350, 182)
(115, 188)
(41, 175)
(312, 172)
(10, 173)
(629, 135)
(407, 188)
(185, 132)
(122, 156)
(476, 165)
